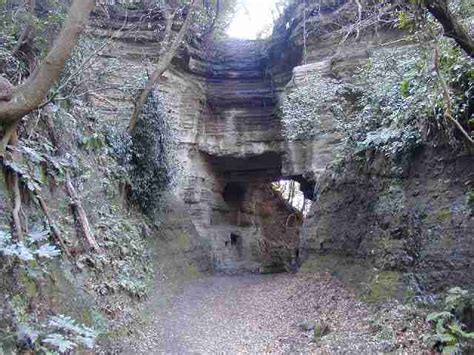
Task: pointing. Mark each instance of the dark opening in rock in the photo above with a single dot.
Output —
(236, 244)
(235, 240)
(234, 192)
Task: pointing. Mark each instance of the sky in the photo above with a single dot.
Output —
(251, 18)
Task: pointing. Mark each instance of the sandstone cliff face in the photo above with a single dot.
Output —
(224, 98)
(388, 232)
(417, 225)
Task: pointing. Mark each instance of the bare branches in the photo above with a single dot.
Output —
(52, 225)
(447, 98)
(86, 63)
(27, 34)
(81, 216)
(359, 17)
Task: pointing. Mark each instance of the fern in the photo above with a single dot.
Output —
(47, 251)
(450, 335)
(59, 342)
(78, 332)
(36, 245)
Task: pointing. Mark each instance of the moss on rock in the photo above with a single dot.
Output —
(384, 286)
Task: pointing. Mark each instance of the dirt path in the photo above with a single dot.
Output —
(262, 314)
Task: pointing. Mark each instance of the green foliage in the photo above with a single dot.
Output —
(36, 163)
(126, 267)
(15, 16)
(60, 334)
(450, 335)
(72, 83)
(93, 142)
(383, 286)
(34, 248)
(306, 106)
(153, 165)
(320, 331)
(135, 288)
(393, 142)
(398, 87)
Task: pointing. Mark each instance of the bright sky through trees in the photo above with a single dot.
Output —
(252, 19)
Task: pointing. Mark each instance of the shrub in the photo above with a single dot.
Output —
(153, 165)
(451, 336)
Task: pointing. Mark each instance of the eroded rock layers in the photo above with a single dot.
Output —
(224, 97)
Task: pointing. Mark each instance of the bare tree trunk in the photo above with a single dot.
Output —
(52, 225)
(28, 96)
(81, 216)
(452, 28)
(161, 67)
(16, 195)
(17, 207)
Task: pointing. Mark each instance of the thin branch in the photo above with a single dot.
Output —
(84, 64)
(447, 98)
(54, 229)
(359, 20)
(161, 67)
(81, 216)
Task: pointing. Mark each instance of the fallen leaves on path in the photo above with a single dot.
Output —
(251, 314)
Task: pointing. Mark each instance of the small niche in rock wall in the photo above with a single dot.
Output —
(234, 192)
(235, 243)
(235, 240)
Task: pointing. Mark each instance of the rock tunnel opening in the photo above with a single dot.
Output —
(257, 217)
(297, 193)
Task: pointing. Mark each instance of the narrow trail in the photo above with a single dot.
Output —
(255, 314)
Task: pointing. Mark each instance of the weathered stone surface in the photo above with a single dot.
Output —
(223, 99)
(418, 224)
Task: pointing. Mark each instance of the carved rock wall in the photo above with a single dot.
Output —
(222, 100)
(406, 234)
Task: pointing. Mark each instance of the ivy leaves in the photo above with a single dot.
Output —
(306, 106)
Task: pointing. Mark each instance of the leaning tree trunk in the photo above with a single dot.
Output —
(31, 94)
(452, 28)
(161, 67)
